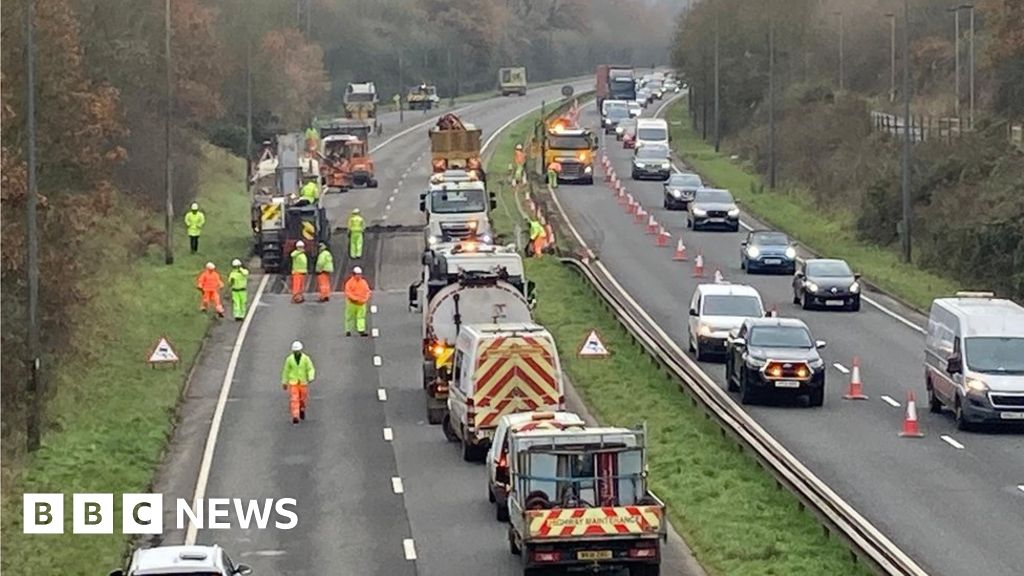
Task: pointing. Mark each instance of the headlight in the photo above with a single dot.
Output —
(675, 193)
(755, 362)
(753, 251)
(666, 165)
(485, 238)
(618, 129)
(816, 363)
(855, 287)
(704, 330)
(975, 385)
(472, 224)
(587, 170)
(639, 164)
(791, 253)
(734, 212)
(699, 212)
(811, 286)
(432, 240)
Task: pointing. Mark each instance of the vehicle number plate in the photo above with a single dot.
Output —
(594, 555)
(787, 384)
(834, 302)
(772, 261)
(716, 220)
(1012, 415)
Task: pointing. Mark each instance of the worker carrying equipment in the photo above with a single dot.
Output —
(296, 375)
(209, 285)
(356, 224)
(238, 279)
(310, 191)
(194, 222)
(299, 268)
(538, 236)
(357, 294)
(324, 268)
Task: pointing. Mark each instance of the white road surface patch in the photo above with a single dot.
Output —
(373, 308)
(841, 368)
(410, 549)
(377, 360)
(396, 485)
(382, 395)
(888, 400)
(374, 332)
(218, 412)
(266, 553)
(389, 434)
(949, 440)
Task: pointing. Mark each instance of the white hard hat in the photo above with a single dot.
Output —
(357, 270)
(195, 206)
(519, 146)
(236, 262)
(296, 346)
(210, 266)
(300, 244)
(355, 210)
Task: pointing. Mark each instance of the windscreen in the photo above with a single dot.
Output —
(623, 88)
(652, 153)
(780, 337)
(714, 197)
(687, 180)
(994, 355)
(828, 269)
(771, 239)
(568, 142)
(457, 201)
(618, 113)
(732, 305)
(652, 133)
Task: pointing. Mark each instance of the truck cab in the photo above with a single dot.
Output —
(512, 80)
(573, 148)
(422, 97)
(446, 264)
(578, 500)
(361, 100)
(457, 206)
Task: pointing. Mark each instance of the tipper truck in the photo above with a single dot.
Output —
(361, 101)
(578, 500)
(455, 144)
(512, 80)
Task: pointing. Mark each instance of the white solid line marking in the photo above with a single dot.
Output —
(410, 549)
(377, 360)
(396, 485)
(389, 434)
(1020, 487)
(888, 400)
(382, 395)
(841, 368)
(387, 207)
(374, 332)
(218, 412)
(373, 308)
(952, 442)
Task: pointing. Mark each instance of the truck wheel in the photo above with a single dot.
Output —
(816, 398)
(371, 184)
(512, 546)
(446, 427)
(434, 415)
(501, 511)
(490, 494)
(747, 395)
(468, 450)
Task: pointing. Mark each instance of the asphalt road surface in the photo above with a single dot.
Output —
(379, 490)
(952, 500)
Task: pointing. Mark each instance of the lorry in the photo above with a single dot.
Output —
(615, 82)
(346, 163)
(455, 144)
(361, 101)
(512, 80)
(422, 97)
(573, 148)
(279, 218)
(463, 283)
(499, 368)
(457, 206)
(578, 500)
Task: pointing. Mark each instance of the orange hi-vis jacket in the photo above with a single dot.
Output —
(209, 281)
(520, 157)
(357, 289)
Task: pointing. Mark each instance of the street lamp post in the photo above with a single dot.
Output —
(771, 98)
(35, 384)
(971, 108)
(956, 56)
(842, 42)
(168, 182)
(718, 139)
(905, 164)
(892, 56)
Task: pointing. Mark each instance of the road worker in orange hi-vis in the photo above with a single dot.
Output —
(209, 284)
(300, 265)
(357, 294)
(296, 376)
(519, 177)
(554, 169)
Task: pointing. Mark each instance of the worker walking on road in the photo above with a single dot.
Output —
(296, 376)
(310, 192)
(520, 166)
(538, 237)
(554, 169)
(238, 279)
(356, 224)
(357, 294)
(324, 269)
(300, 265)
(209, 284)
(194, 222)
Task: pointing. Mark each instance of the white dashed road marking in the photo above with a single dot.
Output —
(389, 434)
(952, 442)
(377, 360)
(373, 308)
(1020, 487)
(841, 368)
(396, 485)
(410, 549)
(374, 332)
(888, 400)
(382, 395)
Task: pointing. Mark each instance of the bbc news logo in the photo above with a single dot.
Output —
(144, 513)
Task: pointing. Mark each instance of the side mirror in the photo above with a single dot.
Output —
(243, 569)
(423, 205)
(739, 342)
(744, 243)
(414, 297)
(819, 344)
(531, 287)
(856, 276)
(798, 274)
(954, 364)
(693, 312)
(494, 204)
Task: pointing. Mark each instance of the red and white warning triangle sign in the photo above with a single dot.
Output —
(162, 353)
(593, 347)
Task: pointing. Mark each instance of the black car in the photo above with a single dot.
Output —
(615, 115)
(713, 208)
(772, 357)
(680, 188)
(826, 282)
(767, 250)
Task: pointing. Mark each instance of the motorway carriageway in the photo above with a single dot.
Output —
(380, 492)
(953, 501)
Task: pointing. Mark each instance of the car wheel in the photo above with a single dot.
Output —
(736, 228)
(743, 264)
(730, 375)
(689, 223)
(934, 403)
(689, 342)
(633, 175)
(697, 353)
(512, 546)
(855, 304)
(960, 417)
(664, 203)
(805, 302)
(796, 297)
(490, 494)
(747, 395)
(817, 397)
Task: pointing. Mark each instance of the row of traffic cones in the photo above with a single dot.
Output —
(911, 427)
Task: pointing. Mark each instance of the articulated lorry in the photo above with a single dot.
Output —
(615, 83)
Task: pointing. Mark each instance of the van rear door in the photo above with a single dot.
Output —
(514, 374)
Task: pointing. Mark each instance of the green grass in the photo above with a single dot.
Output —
(830, 234)
(112, 413)
(725, 506)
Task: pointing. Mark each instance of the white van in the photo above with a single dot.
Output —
(974, 358)
(651, 131)
(497, 456)
(716, 310)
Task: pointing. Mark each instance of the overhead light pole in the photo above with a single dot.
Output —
(956, 56)
(970, 117)
(36, 385)
(168, 174)
(905, 164)
(892, 56)
(771, 97)
(842, 47)
(718, 122)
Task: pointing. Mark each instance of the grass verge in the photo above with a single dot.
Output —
(825, 233)
(112, 414)
(726, 507)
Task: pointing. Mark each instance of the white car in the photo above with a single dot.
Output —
(496, 460)
(717, 309)
(181, 561)
(635, 109)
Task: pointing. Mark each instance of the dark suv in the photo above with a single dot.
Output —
(774, 357)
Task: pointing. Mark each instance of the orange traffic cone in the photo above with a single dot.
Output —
(607, 175)
(680, 254)
(652, 226)
(633, 206)
(698, 266)
(718, 276)
(856, 391)
(910, 427)
(640, 214)
(623, 200)
(663, 237)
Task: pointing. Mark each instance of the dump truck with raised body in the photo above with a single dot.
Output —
(578, 501)
(361, 100)
(458, 288)
(512, 80)
(455, 145)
